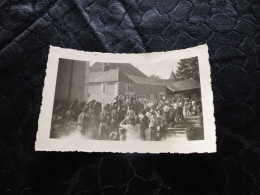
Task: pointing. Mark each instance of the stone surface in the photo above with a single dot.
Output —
(199, 12)
(231, 30)
(221, 23)
(153, 22)
(255, 11)
(181, 12)
(246, 27)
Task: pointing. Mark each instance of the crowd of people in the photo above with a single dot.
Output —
(123, 119)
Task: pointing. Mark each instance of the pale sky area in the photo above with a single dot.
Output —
(163, 70)
(158, 63)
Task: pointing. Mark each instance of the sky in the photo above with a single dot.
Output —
(160, 64)
(162, 70)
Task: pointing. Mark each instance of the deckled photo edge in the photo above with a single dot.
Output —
(45, 143)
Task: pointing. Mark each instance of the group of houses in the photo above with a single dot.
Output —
(105, 81)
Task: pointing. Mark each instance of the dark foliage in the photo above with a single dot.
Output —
(188, 68)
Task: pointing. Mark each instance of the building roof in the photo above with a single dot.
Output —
(143, 80)
(106, 76)
(123, 67)
(183, 85)
(124, 71)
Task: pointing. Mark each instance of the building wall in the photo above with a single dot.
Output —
(71, 82)
(63, 82)
(142, 90)
(95, 92)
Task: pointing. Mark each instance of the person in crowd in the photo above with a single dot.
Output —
(194, 106)
(198, 107)
(161, 127)
(166, 111)
(129, 130)
(58, 110)
(58, 122)
(180, 110)
(130, 111)
(113, 136)
(116, 118)
(148, 113)
(135, 107)
(70, 115)
(75, 107)
(186, 111)
(105, 120)
(153, 125)
(171, 117)
(120, 114)
(175, 110)
(144, 124)
(190, 107)
(82, 121)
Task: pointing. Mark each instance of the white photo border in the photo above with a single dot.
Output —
(45, 143)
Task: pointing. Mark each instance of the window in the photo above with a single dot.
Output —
(103, 87)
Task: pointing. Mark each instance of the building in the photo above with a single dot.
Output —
(71, 80)
(105, 81)
(108, 80)
(187, 88)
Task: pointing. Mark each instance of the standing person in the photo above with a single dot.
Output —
(105, 119)
(153, 125)
(171, 117)
(186, 108)
(140, 104)
(120, 114)
(194, 106)
(82, 122)
(75, 107)
(127, 102)
(97, 109)
(166, 110)
(198, 107)
(175, 108)
(161, 125)
(70, 115)
(180, 110)
(191, 111)
(90, 126)
(148, 113)
(114, 118)
(135, 107)
(130, 111)
(70, 121)
(144, 124)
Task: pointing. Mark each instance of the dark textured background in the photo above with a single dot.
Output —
(230, 28)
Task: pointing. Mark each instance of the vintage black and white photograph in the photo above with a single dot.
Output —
(118, 101)
(129, 101)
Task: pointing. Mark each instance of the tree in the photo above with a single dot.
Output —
(188, 69)
(155, 77)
